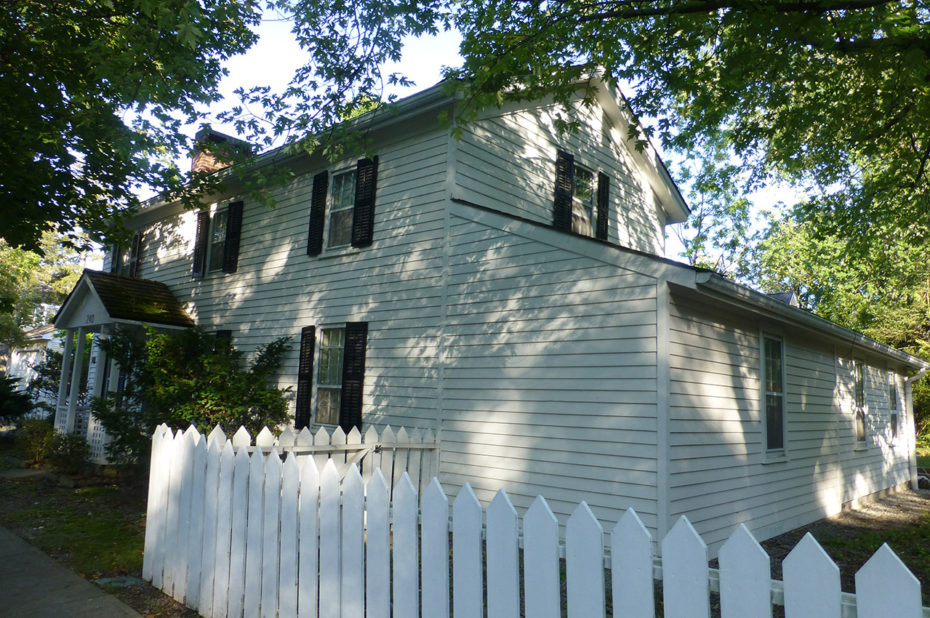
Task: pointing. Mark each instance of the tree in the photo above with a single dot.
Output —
(93, 96)
(34, 283)
(183, 378)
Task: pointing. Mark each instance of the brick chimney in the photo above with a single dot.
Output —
(210, 148)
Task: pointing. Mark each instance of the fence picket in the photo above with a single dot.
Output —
(631, 568)
(400, 455)
(242, 438)
(434, 552)
(290, 487)
(414, 461)
(231, 597)
(353, 544)
(745, 577)
(372, 461)
(502, 558)
(265, 438)
(287, 439)
(812, 581)
(309, 538)
(215, 572)
(685, 574)
(430, 461)
(378, 554)
(304, 437)
(406, 560)
(252, 598)
(885, 587)
(321, 438)
(584, 564)
(387, 456)
(172, 545)
(211, 501)
(152, 559)
(330, 550)
(271, 519)
(467, 591)
(197, 516)
(541, 561)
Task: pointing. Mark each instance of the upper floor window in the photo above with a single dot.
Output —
(216, 246)
(342, 205)
(581, 204)
(859, 367)
(341, 209)
(893, 403)
(127, 260)
(774, 395)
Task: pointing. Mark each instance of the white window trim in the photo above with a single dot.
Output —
(894, 407)
(317, 356)
(331, 185)
(779, 454)
(863, 444)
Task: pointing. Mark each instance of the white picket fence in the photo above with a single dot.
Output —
(231, 533)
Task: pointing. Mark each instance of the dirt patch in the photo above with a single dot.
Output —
(900, 519)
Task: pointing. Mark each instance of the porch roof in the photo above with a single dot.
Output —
(101, 298)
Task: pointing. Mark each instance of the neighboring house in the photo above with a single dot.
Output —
(23, 359)
(506, 290)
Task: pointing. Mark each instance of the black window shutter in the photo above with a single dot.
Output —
(603, 205)
(305, 377)
(115, 259)
(233, 232)
(564, 188)
(135, 255)
(200, 244)
(363, 216)
(353, 376)
(317, 213)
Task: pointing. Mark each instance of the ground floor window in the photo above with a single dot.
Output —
(860, 400)
(774, 398)
(329, 375)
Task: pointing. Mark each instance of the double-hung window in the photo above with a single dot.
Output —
(893, 403)
(582, 198)
(859, 367)
(216, 246)
(342, 208)
(774, 393)
(123, 262)
(331, 375)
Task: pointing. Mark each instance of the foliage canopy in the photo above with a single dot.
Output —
(93, 96)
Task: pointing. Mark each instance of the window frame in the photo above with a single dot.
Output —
(212, 245)
(779, 452)
(859, 402)
(586, 208)
(317, 370)
(351, 171)
(893, 405)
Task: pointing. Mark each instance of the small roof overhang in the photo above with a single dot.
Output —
(101, 298)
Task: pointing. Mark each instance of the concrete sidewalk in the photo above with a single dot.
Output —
(35, 586)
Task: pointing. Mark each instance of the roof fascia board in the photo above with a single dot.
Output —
(716, 286)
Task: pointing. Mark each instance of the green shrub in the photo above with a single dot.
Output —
(69, 453)
(36, 438)
(184, 378)
(14, 404)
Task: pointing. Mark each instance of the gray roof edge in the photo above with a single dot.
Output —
(715, 283)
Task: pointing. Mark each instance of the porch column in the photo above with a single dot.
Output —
(60, 422)
(76, 372)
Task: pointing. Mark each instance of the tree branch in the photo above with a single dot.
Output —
(630, 10)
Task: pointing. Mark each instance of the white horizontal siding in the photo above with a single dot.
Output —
(394, 284)
(549, 380)
(506, 162)
(719, 474)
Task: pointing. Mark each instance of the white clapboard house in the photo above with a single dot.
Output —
(507, 291)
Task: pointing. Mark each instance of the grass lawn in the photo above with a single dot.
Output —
(97, 530)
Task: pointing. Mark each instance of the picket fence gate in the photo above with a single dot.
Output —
(233, 531)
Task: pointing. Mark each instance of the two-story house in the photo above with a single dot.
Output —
(507, 290)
